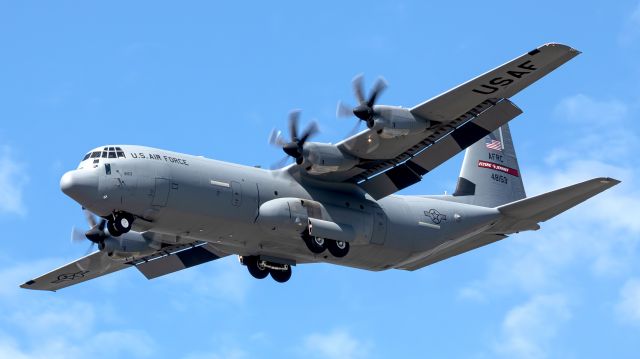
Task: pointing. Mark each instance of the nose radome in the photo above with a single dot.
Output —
(81, 185)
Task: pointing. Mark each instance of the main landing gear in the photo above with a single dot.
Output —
(260, 269)
(318, 245)
(119, 223)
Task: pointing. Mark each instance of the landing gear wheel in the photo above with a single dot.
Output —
(256, 269)
(122, 222)
(338, 249)
(113, 231)
(281, 276)
(316, 245)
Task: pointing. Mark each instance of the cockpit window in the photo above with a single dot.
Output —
(95, 154)
(86, 156)
(104, 154)
(112, 154)
(120, 154)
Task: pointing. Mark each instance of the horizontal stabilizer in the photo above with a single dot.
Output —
(525, 214)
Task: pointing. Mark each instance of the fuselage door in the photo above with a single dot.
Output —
(161, 194)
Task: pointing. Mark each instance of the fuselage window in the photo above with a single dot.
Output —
(95, 154)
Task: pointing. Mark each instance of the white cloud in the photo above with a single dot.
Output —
(43, 325)
(591, 112)
(337, 344)
(13, 178)
(628, 307)
(223, 279)
(528, 329)
(601, 234)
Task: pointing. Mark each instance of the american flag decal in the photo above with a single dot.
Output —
(492, 142)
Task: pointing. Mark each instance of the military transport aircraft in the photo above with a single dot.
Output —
(161, 211)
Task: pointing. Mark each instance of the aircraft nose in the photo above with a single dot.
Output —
(81, 185)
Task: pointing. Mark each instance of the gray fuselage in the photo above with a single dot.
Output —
(252, 211)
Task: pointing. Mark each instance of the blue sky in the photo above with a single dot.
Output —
(214, 78)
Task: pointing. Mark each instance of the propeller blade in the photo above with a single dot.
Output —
(90, 248)
(311, 130)
(91, 219)
(294, 116)
(358, 88)
(77, 235)
(283, 162)
(343, 110)
(379, 86)
(355, 129)
(276, 139)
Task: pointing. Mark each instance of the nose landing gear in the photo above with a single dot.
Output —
(120, 223)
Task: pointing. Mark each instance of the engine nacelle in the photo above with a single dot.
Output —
(393, 122)
(129, 245)
(323, 158)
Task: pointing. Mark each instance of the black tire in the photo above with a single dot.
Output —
(113, 231)
(316, 245)
(337, 249)
(281, 276)
(123, 222)
(255, 270)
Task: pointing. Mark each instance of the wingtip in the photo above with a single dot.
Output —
(560, 45)
(609, 180)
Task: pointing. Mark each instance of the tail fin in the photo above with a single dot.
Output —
(490, 175)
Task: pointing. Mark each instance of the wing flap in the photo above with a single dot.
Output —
(412, 170)
(88, 267)
(502, 82)
(177, 261)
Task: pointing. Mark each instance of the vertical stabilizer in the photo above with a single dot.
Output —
(490, 175)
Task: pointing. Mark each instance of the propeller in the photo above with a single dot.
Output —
(96, 234)
(364, 110)
(294, 147)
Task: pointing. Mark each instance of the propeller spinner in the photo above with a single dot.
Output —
(294, 148)
(364, 110)
(96, 234)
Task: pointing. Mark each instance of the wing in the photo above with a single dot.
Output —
(456, 119)
(167, 260)
(88, 267)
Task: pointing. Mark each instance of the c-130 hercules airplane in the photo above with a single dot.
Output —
(162, 211)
